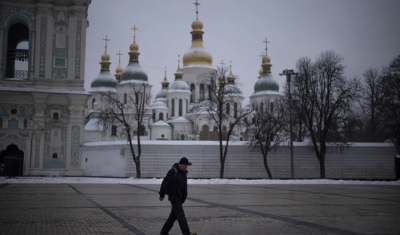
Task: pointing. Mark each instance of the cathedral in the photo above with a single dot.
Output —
(46, 115)
(170, 115)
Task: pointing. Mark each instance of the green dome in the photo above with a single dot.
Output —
(104, 79)
(134, 72)
(266, 83)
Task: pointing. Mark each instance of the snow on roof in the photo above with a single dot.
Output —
(91, 125)
(52, 90)
(160, 123)
(260, 93)
(179, 119)
(132, 180)
(102, 89)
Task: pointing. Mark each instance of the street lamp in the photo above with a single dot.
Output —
(288, 73)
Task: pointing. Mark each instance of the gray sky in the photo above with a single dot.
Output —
(365, 32)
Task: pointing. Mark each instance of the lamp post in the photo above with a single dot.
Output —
(288, 73)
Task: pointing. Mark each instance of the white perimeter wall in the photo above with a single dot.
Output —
(361, 161)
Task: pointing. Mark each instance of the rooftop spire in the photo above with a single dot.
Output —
(134, 32)
(119, 58)
(105, 48)
(197, 9)
(266, 45)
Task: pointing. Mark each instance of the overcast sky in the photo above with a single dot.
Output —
(365, 32)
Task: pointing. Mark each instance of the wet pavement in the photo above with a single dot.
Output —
(210, 209)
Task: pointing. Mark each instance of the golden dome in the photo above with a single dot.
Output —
(119, 70)
(197, 25)
(266, 59)
(105, 57)
(197, 55)
(134, 47)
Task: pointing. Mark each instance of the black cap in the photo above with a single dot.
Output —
(184, 161)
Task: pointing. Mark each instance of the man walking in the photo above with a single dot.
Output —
(175, 185)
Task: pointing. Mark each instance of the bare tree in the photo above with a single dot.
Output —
(323, 96)
(224, 92)
(391, 101)
(126, 115)
(370, 114)
(266, 127)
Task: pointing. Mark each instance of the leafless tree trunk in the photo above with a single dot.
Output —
(127, 114)
(266, 124)
(323, 96)
(222, 93)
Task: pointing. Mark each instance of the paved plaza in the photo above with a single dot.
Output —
(68, 209)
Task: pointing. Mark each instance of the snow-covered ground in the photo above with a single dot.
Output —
(90, 180)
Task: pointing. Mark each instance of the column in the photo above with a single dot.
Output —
(42, 135)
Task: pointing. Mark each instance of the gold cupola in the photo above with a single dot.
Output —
(105, 58)
(134, 48)
(231, 78)
(119, 69)
(197, 56)
(165, 82)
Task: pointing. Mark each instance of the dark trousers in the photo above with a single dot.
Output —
(177, 213)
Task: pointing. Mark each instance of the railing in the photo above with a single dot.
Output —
(18, 54)
(21, 74)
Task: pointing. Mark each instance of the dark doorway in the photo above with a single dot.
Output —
(11, 161)
(397, 162)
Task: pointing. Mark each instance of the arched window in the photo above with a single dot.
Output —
(93, 101)
(113, 130)
(17, 52)
(272, 106)
(154, 115)
(228, 108)
(182, 137)
(209, 92)
(180, 107)
(187, 106)
(55, 155)
(160, 116)
(55, 116)
(172, 107)
(125, 98)
(202, 92)
(25, 123)
(193, 90)
(235, 107)
(1, 123)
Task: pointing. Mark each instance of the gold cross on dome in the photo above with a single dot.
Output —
(266, 43)
(134, 32)
(197, 9)
(107, 40)
(179, 59)
(119, 57)
(262, 55)
(222, 63)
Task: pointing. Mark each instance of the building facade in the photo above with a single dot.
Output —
(42, 98)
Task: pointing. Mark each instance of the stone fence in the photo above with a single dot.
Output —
(358, 161)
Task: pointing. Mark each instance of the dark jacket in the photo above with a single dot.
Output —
(176, 184)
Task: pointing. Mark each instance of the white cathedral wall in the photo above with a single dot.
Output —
(357, 162)
(158, 131)
(103, 161)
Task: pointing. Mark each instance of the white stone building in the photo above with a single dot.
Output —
(42, 98)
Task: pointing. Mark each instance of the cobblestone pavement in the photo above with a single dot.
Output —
(210, 209)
